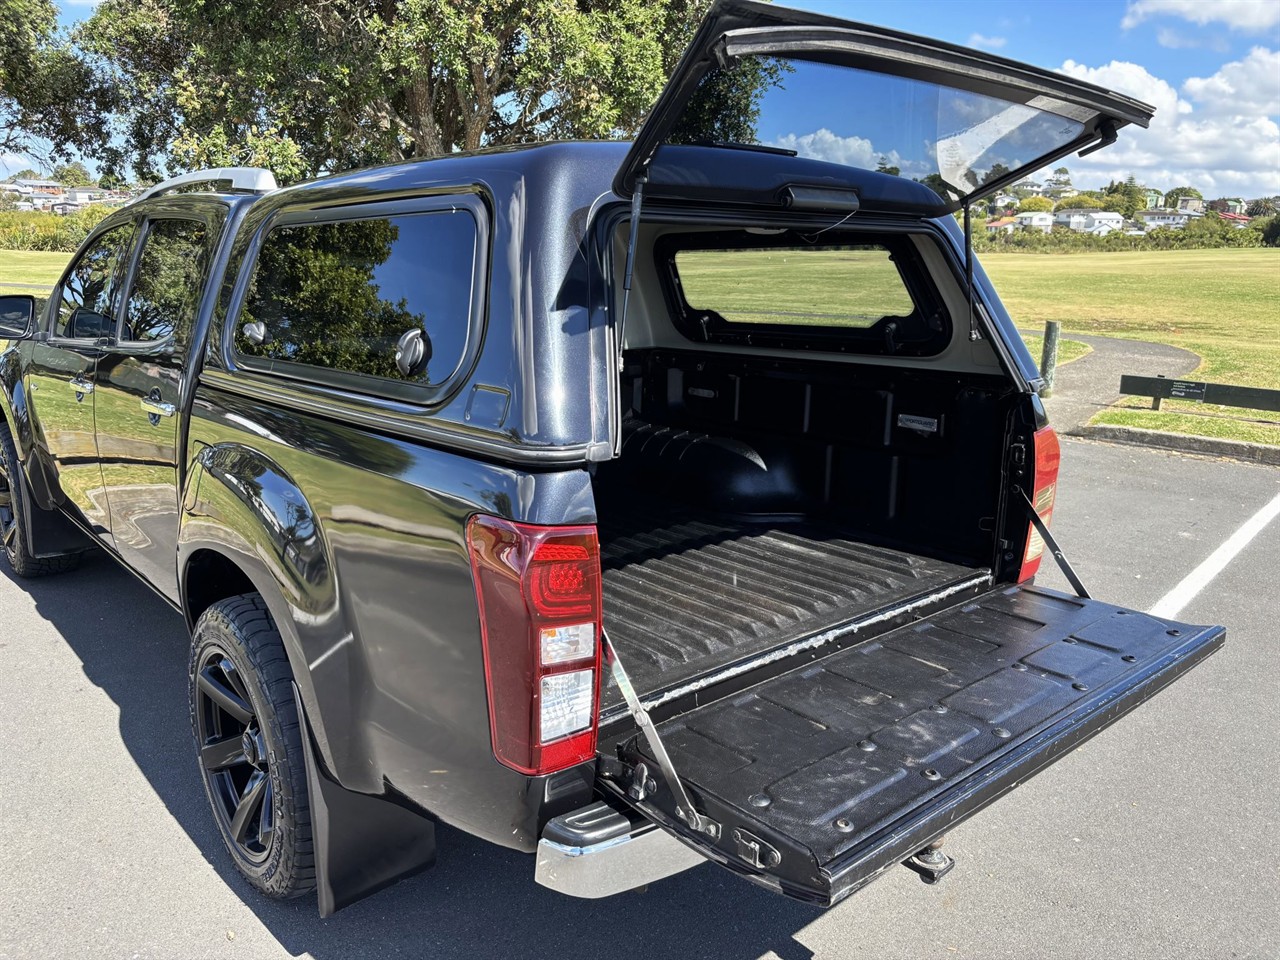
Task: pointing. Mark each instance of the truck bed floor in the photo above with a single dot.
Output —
(685, 595)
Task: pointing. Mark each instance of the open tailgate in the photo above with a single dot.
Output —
(819, 778)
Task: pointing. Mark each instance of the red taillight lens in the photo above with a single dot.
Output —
(539, 595)
(1048, 455)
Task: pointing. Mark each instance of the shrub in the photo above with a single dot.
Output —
(32, 230)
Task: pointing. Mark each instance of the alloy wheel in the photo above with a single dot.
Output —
(234, 758)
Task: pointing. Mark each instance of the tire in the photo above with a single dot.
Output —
(16, 549)
(249, 745)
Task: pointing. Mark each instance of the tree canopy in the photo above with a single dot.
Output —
(73, 174)
(1035, 205)
(308, 86)
(1171, 198)
(48, 94)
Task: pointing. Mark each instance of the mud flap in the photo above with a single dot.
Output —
(362, 843)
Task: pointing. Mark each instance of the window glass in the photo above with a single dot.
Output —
(853, 286)
(949, 139)
(340, 296)
(170, 275)
(85, 297)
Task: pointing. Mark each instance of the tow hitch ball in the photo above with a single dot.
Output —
(931, 863)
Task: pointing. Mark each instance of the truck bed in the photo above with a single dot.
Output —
(685, 595)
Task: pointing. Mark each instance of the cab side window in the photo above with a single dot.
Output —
(88, 289)
(169, 278)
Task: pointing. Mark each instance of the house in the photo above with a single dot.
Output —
(1101, 222)
(1003, 200)
(1190, 205)
(1003, 225)
(1153, 198)
(83, 195)
(1097, 222)
(42, 188)
(1227, 205)
(1163, 217)
(1027, 188)
(1237, 220)
(1041, 220)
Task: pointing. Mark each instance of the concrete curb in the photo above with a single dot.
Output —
(1205, 446)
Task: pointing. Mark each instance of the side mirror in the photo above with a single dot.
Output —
(17, 316)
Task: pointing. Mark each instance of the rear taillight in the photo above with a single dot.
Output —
(539, 594)
(1047, 457)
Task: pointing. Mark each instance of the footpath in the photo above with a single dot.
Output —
(1085, 386)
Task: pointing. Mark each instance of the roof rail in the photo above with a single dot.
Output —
(248, 179)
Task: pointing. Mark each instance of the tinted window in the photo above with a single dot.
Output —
(166, 291)
(85, 298)
(801, 286)
(341, 295)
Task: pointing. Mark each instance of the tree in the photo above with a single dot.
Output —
(883, 166)
(1271, 233)
(1263, 207)
(1035, 205)
(26, 174)
(111, 181)
(307, 86)
(997, 171)
(47, 94)
(74, 174)
(1171, 198)
(1082, 201)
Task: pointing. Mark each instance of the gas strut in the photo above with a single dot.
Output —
(684, 805)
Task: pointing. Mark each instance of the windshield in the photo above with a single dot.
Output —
(952, 140)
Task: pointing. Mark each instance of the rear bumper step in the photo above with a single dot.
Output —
(598, 851)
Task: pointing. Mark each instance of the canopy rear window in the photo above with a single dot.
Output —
(856, 294)
(949, 139)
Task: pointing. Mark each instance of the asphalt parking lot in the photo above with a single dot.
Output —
(1156, 839)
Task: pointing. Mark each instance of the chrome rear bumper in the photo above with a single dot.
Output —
(597, 852)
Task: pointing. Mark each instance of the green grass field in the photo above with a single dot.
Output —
(36, 271)
(1223, 305)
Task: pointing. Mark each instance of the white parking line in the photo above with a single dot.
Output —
(1172, 603)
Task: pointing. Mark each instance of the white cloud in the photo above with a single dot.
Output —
(1243, 87)
(1168, 37)
(1223, 144)
(990, 43)
(825, 145)
(1247, 15)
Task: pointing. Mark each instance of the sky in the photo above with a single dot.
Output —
(1211, 68)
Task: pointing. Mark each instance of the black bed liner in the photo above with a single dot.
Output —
(854, 762)
(684, 596)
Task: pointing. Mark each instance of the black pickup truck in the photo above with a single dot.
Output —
(627, 504)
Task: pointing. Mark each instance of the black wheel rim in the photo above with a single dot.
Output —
(8, 518)
(233, 757)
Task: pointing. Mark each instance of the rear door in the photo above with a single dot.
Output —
(139, 389)
(822, 775)
(80, 318)
(960, 121)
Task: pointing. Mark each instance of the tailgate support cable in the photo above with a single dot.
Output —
(1043, 529)
(684, 805)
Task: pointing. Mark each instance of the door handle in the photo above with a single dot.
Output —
(80, 386)
(157, 408)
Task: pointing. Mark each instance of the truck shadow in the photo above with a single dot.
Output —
(479, 901)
